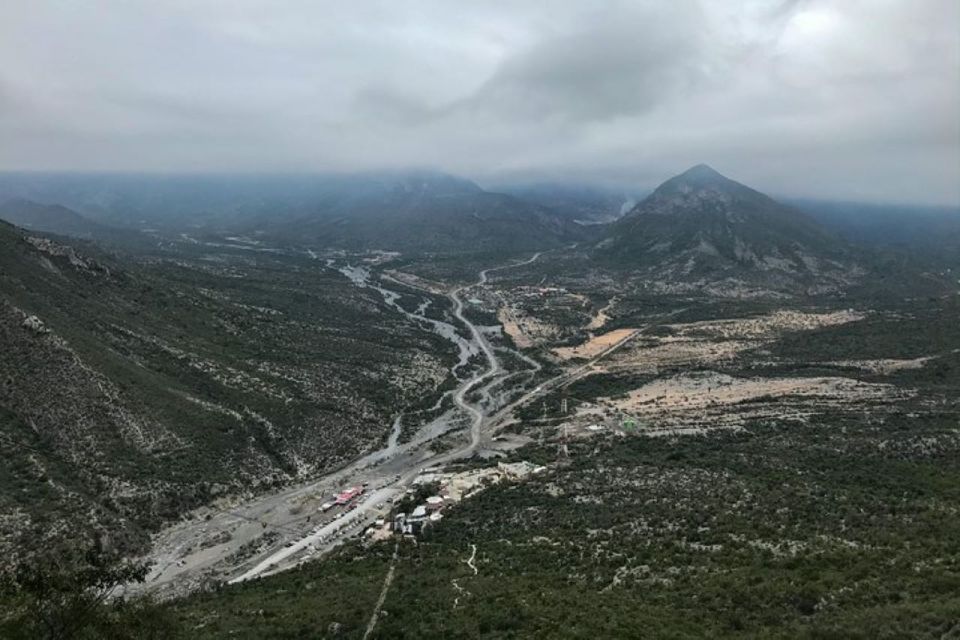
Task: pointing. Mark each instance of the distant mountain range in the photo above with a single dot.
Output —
(722, 225)
(405, 211)
(426, 212)
(52, 218)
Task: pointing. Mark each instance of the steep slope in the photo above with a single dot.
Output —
(702, 228)
(428, 212)
(50, 218)
(131, 393)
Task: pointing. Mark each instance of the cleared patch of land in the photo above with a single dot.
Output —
(706, 399)
(699, 376)
(526, 331)
(594, 346)
(714, 341)
(601, 318)
(882, 366)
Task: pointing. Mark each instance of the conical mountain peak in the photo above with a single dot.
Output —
(702, 172)
(701, 176)
(705, 226)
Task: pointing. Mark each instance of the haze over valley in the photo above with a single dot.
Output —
(641, 321)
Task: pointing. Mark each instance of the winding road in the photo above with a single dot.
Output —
(206, 548)
(382, 495)
(493, 364)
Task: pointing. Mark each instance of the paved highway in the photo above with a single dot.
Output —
(205, 547)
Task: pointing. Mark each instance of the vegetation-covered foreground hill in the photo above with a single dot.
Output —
(775, 532)
(131, 393)
(838, 522)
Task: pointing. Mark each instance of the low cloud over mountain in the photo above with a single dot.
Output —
(854, 100)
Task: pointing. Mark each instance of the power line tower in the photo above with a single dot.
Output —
(543, 423)
(563, 451)
(563, 407)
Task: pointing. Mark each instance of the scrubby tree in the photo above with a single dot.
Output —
(70, 594)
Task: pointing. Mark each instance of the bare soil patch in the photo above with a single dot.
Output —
(594, 346)
(714, 341)
(525, 330)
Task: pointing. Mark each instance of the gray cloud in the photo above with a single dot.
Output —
(611, 65)
(844, 99)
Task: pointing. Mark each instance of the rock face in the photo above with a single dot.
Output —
(35, 324)
(701, 229)
(55, 249)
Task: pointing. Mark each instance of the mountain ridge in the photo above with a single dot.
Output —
(50, 218)
(441, 213)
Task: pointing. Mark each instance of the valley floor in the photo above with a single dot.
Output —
(568, 455)
(803, 483)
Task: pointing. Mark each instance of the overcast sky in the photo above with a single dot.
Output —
(853, 99)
